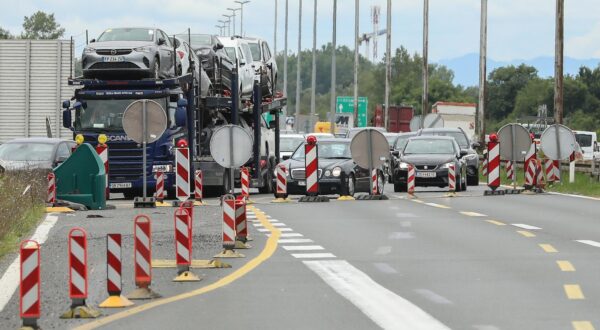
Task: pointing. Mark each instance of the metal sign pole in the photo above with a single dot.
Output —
(514, 154)
(231, 169)
(370, 154)
(558, 148)
(144, 142)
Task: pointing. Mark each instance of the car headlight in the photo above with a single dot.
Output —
(163, 168)
(471, 156)
(447, 165)
(403, 165)
(144, 49)
(328, 173)
(89, 50)
(337, 171)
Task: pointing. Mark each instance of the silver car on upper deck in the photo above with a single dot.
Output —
(129, 53)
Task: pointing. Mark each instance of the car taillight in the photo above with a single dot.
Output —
(263, 163)
(181, 54)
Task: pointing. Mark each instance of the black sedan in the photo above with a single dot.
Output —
(431, 156)
(338, 173)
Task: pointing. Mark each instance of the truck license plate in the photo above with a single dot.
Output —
(113, 59)
(426, 174)
(120, 185)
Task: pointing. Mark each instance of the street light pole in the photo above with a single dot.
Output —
(388, 66)
(233, 10)
(242, 3)
(425, 99)
(228, 24)
(285, 57)
(333, 70)
(313, 83)
(480, 114)
(223, 26)
(296, 126)
(356, 8)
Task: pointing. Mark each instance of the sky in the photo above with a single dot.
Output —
(517, 29)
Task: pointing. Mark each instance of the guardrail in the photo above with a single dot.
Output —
(590, 166)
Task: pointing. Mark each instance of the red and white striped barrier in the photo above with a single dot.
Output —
(51, 195)
(245, 182)
(540, 183)
(142, 246)
(160, 186)
(182, 175)
(114, 281)
(552, 170)
(30, 284)
(374, 187)
(451, 178)
(102, 150)
(311, 165)
(229, 228)
(410, 180)
(183, 245)
(484, 164)
(241, 225)
(198, 178)
(510, 171)
(531, 166)
(281, 190)
(493, 163)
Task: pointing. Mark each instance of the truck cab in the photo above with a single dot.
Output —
(589, 144)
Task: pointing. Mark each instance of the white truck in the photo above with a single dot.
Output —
(588, 143)
(457, 115)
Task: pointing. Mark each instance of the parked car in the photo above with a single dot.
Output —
(431, 157)
(212, 57)
(239, 52)
(354, 130)
(397, 145)
(391, 138)
(472, 158)
(129, 53)
(264, 63)
(338, 173)
(186, 57)
(34, 153)
(288, 143)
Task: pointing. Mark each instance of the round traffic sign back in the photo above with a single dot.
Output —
(558, 142)
(231, 146)
(517, 134)
(433, 120)
(133, 120)
(379, 148)
(415, 123)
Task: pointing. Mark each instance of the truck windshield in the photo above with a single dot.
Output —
(584, 140)
(106, 115)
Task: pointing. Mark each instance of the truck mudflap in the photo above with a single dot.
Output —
(212, 173)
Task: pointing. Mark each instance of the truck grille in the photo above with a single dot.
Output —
(300, 174)
(125, 161)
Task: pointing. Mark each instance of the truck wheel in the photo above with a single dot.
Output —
(268, 183)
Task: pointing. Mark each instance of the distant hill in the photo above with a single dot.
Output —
(466, 68)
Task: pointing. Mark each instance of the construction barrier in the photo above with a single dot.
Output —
(484, 164)
(510, 171)
(182, 176)
(183, 246)
(102, 150)
(114, 282)
(410, 180)
(245, 182)
(160, 186)
(51, 196)
(552, 170)
(198, 178)
(493, 167)
(451, 178)
(142, 246)
(311, 166)
(374, 186)
(281, 189)
(30, 284)
(78, 276)
(229, 228)
(241, 225)
(530, 166)
(540, 183)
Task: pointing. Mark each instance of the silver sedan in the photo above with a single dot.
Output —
(129, 53)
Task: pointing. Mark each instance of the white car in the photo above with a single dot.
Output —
(288, 144)
(264, 63)
(239, 52)
(186, 56)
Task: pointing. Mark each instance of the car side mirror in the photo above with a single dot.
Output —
(242, 62)
(92, 41)
(161, 41)
(67, 120)
(396, 153)
(463, 153)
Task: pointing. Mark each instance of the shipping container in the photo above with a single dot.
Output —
(400, 116)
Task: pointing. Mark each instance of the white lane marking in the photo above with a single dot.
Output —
(440, 206)
(485, 327)
(589, 242)
(406, 224)
(285, 229)
(288, 235)
(432, 296)
(275, 224)
(302, 247)
(575, 196)
(295, 240)
(374, 300)
(524, 226)
(385, 268)
(406, 215)
(312, 255)
(383, 250)
(472, 214)
(264, 230)
(273, 220)
(10, 280)
(401, 235)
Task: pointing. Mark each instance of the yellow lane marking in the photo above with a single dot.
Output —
(438, 205)
(472, 214)
(497, 223)
(548, 248)
(526, 233)
(573, 291)
(417, 201)
(582, 325)
(565, 266)
(266, 253)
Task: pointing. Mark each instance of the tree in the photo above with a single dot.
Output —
(5, 34)
(41, 26)
(503, 86)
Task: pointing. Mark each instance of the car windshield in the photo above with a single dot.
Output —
(584, 140)
(26, 151)
(460, 138)
(288, 144)
(353, 132)
(230, 51)
(255, 50)
(391, 139)
(106, 115)
(401, 141)
(198, 40)
(429, 146)
(127, 34)
(328, 150)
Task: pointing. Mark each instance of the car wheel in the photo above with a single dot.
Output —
(156, 69)
(473, 180)
(351, 187)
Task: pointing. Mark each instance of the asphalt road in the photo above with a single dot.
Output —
(435, 262)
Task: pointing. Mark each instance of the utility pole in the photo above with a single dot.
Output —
(313, 83)
(480, 114)
(388, 64)
(242, 3)
(333, 70)
(298, 82)
(285, 57)
(425, 100)
(356, 6)
(233, 10)
(558, 61)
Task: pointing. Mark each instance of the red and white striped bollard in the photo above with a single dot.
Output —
(142, 246)
(410, 180)
(198, 178)
(241, 225)
(30, 284)
(229, 228)
(182, 175)
(51, 195)
(510, 171)
(375, 186)
(311, 166)
(531, 166)
(493, 162)
(114, 282)
(451, 178)
(281, 189)
(160, 186)
(484, 164)
(245, 182)
(183, 246)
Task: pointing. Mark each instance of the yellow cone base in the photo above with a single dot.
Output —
(242, 245)
(163, 204)
(199, 203)
(58, 209)
(142, 294)
(202, 264)
(115, 302)
(229, 254)
(81, 312)
(281, 200)
(187, 276)
(451, 194)
(346, 198)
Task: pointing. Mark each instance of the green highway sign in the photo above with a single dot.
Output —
(345, 104)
